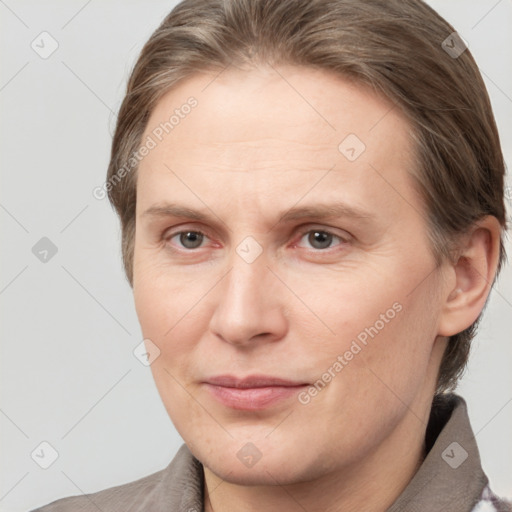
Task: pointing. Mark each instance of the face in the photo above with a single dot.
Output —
(283, 270)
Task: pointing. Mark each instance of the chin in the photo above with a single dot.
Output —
(248, 477)
(276, 466)
(261, 474)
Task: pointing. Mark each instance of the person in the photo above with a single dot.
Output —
(311, 195)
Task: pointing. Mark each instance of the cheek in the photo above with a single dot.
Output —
(164, 295)
(166, 313)
(379, 330)
(165, 310)
(169, 315)
(393, 364)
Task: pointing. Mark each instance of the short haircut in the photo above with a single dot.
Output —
(399, 48)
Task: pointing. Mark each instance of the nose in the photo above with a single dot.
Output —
(249, 309)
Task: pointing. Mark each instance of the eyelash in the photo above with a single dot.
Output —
(304, 232)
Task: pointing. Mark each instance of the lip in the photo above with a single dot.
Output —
(251, 393)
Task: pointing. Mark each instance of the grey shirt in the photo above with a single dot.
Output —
(450, 478)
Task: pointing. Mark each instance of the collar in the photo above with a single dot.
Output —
(451, 476)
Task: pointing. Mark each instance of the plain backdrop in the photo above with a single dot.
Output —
(68, 373)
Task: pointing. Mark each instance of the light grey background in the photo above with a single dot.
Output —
(68, 374)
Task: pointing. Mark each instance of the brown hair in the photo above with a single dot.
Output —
(394, 46)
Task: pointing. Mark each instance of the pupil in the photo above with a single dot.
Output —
(320, 239)
(191, 239)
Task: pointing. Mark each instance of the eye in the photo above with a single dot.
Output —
(189, 239)
(320, 239)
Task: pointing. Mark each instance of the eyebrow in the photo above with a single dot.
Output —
(175, 210)
(326, 211)
(319, 211)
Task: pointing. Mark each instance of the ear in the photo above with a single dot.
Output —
(472, 276)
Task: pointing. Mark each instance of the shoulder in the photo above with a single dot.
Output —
(164, 486)
(118, 498)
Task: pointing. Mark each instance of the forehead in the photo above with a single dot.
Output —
(276, 125)
(316, 106)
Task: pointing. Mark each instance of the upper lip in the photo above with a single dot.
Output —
(251, 381)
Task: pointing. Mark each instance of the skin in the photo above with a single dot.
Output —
(252, 149)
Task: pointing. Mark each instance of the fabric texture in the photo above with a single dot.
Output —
(449, 479)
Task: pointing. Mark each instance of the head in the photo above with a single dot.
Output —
(243, 122)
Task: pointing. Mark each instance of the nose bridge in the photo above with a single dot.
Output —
(247, 305)
(247, 278)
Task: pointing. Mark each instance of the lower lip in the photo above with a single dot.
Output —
(252, 399)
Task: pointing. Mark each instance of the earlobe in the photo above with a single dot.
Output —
(474, 270)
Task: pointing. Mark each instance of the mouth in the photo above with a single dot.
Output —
(251, 393)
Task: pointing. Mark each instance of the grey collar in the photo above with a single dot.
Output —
(451, 476)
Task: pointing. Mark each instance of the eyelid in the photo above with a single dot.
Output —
(183, 228)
